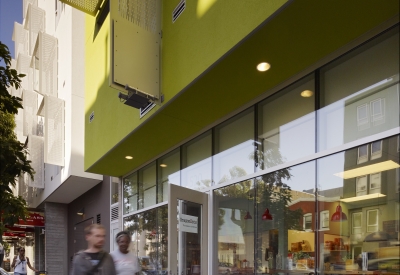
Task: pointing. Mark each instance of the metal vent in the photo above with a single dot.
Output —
(21, 39)
(140, 12)
(34, 23)
(54, 131)
(144, 111)
(178, 10)
(23, 67)
(36, 155)
(29, 102)
(98, 218)
(114, 213)
(88, 6)
(91, 117)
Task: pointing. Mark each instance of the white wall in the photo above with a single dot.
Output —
(70, 33)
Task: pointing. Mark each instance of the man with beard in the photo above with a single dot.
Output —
(93, 260)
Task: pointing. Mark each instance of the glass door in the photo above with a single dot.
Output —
(187, 231)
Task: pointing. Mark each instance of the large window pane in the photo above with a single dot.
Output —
(131, 193)
(360, 93)
(234, 147)
(147, 186)
(286, 219)
(362, 199)
(286, 125)
(149, 232)
(168, 173)
(196, 162)
(235, 227)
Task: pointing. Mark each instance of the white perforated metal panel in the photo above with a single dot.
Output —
(26, 4)
(140, 12)
(19, 129)
(88, 6)
(54, 131)
(34, 23)
(29, 102)
(47, 52)
(21, 39)
(23, 67)
(36, 155)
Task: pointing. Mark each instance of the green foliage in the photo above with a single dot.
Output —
(8, 78)
(13, 154)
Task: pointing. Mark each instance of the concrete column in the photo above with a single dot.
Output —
(56, 243)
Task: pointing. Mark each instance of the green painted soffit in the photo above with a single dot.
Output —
(296, 38)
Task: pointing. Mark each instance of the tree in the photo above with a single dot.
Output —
(13, 154)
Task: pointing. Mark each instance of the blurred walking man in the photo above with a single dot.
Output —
(93, 261)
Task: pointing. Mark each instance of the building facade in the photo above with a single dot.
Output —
(49, 50)
(267, 133)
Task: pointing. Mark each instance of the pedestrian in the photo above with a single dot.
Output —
(20, 262)
(1, 254)
(94, 260)
(126, 263)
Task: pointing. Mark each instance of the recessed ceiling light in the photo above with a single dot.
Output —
(128, 157)
(264, 66)
(163, 165)
(306, 93)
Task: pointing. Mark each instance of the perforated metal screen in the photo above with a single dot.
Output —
(23, 67)
(21, 39)
(29, 102)
(140, 12)
(47, 54)
(35, 23)
(54, 131)
(88, 6)
(25, 4)
(138, 23)
(36, 155)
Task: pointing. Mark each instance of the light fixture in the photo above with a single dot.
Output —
(136, 98)
(264, 66)
(128, 157)
(364, 197)
(306, 93)
(163, 165)
(267, 216)
(369, 169)
(248, 216)
(338, 216)
(81, 211)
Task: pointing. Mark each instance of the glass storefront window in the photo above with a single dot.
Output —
(196, 162)
(147, 186)
(168, 173)
(234, 147)
(286, 125)
(235, 226)
(130, 193)
(114, 190)
(286, 219)
(360, 93)
(362, 200)
(149, 232)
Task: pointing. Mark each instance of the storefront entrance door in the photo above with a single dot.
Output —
(187, 231)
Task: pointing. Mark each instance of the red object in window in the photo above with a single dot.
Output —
(266, 216)
(248, 216)
(338, 216)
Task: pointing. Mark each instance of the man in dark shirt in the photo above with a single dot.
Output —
(93, 261)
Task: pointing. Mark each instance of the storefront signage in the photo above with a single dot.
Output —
(188, 223)
(34, 219)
